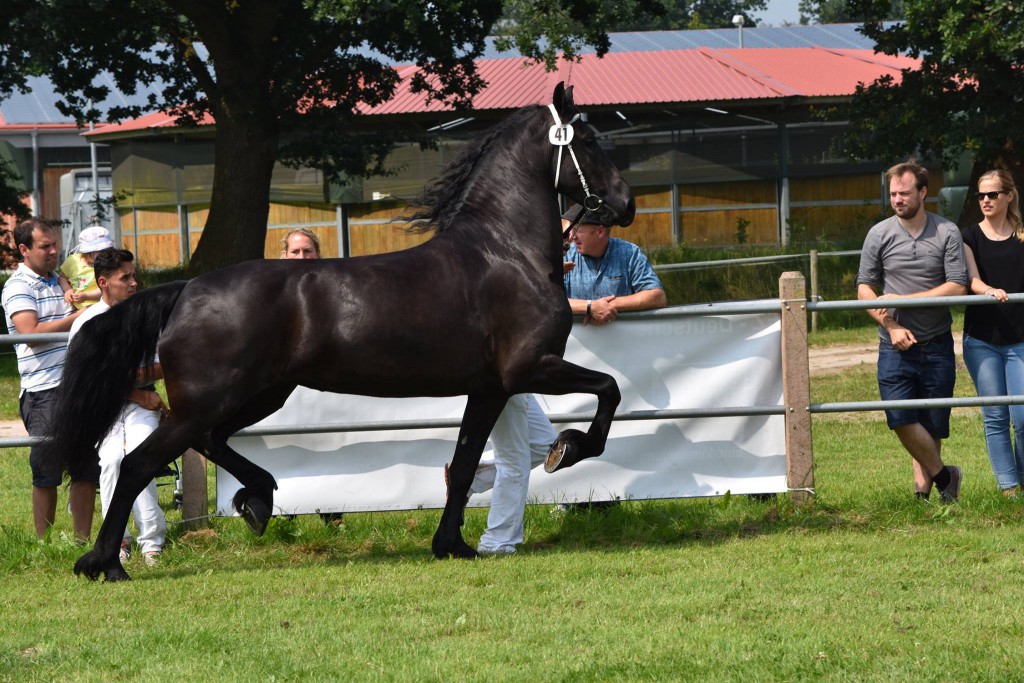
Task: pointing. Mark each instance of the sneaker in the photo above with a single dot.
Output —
(951, 493)
(125, 553)
(500, 550)
(152, 558)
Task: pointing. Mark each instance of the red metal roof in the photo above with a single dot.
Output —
(623, 78)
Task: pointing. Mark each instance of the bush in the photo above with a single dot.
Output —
(748, 281)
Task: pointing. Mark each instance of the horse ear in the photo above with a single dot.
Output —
(558, 97)
(562, 99)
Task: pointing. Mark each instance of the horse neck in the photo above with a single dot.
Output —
(515, 191)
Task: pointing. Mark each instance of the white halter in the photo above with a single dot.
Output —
(561, 136)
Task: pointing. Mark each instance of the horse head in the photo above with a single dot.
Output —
(582, 169)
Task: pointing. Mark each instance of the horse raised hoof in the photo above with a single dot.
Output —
(92, 565)
(567, 450)
(253, 510)
(443, 549)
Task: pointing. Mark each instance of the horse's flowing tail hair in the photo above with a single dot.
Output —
(100, 371)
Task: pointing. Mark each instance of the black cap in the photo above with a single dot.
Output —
(589, 217)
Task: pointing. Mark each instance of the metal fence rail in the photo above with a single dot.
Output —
(749, 260)
(717, 309)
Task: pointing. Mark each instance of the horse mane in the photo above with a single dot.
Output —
(442, 199)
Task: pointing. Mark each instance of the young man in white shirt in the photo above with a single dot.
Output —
(115, 276)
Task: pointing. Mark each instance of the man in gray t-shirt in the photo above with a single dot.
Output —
(911, 255)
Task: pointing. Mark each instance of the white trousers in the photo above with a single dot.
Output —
(521, 438)
(132, 427)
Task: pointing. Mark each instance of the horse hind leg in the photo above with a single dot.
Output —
(137, 469)
(255, 500)
(482, 412)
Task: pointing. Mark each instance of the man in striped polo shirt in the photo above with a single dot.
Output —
(34, 304)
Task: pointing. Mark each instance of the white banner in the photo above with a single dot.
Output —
(659, 363)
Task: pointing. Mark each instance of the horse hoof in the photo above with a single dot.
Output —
(92, 565)
(460, 550)
(256, 514)
(566, 451)
(556, 456)
(116, 574)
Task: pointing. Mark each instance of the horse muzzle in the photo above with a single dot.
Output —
(621, 212)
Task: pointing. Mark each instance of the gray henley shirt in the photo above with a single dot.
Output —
(896, 263)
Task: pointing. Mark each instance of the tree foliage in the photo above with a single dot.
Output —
(842, 12)
(965, 97)
(10, 196)
(676, 15)
(283, 79)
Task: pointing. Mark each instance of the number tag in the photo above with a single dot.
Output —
(560, 135)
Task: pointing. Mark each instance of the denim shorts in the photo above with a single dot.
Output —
(36, 408)
(925, 370)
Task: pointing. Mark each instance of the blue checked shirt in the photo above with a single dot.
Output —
(623, 270)
(40, 365)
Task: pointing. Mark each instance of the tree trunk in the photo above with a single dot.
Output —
(245, 150)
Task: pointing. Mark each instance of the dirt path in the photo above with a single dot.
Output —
(832, 359)
(11, 428)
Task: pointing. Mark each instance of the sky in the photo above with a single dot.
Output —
(780, 11)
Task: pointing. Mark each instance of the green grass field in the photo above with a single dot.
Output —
(865, 584)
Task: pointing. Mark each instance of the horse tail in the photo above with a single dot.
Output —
(101, 370)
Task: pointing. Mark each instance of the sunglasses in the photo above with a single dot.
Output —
(990, 195)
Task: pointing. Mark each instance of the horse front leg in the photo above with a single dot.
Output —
(482, 412)
(557, 376)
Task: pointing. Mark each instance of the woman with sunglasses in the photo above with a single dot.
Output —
(994, 335)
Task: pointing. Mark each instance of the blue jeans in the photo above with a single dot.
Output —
(998, 370)
(925, 370)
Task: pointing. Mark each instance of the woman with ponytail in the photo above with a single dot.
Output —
(994, 335)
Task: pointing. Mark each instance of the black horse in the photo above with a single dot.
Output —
(479, 309)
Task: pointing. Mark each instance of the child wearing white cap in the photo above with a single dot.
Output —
(76, 275)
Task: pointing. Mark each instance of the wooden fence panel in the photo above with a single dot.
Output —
(710, 212)
(650, 229)
(155, 251)
(721, 227)
(372, 232)
(726, 194)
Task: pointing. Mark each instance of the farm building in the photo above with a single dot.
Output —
(715, 138)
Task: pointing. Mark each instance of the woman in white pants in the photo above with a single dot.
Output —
(522, 437)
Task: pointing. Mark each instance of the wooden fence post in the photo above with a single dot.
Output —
(814, 287)
(194, 495)
(796, 388)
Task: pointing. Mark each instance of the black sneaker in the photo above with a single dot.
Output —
(951, 493)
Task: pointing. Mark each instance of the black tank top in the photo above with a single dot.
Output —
(1000, 265)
